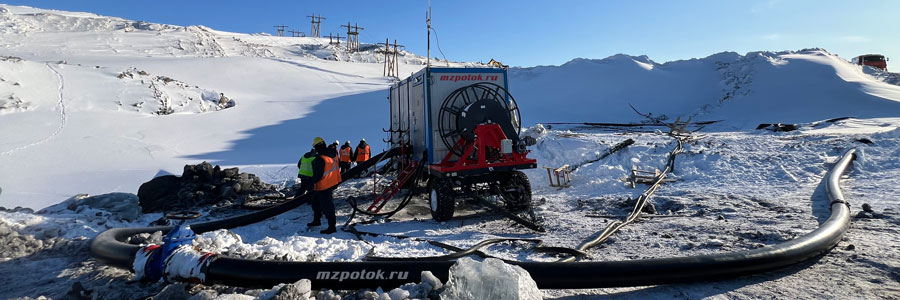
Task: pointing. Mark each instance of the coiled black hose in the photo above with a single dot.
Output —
(547, 275)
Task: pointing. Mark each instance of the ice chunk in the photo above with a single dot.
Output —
(398, 294)
(430, 279)
(301, 289)
(491, 279)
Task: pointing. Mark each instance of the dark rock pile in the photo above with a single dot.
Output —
(199, 185)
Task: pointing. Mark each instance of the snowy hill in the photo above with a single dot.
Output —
(79, 85)
(82, 96)
(743, 90)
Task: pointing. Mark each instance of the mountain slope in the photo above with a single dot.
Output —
(759, 87)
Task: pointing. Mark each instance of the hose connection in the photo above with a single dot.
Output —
(186, 264)
(142, 265)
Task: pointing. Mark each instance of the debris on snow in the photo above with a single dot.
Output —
(199, 185)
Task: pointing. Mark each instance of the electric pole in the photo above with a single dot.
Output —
(280, 29)
(334, 40)
(391, 63)
(353, 36)
(315, 21)
(295, 33)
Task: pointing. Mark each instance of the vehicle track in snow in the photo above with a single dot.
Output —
(61, 107)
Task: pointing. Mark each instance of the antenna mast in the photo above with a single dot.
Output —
(428, 22)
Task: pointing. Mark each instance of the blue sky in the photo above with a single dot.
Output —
(529, 33)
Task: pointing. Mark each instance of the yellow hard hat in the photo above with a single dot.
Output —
(318, 140)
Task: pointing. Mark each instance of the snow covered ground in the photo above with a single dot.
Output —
(80, 97)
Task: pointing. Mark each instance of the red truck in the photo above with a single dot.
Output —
(873, 60)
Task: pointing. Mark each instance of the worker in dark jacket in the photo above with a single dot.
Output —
(326, 175)
(334, 146)
(306, 171)
(345, 156)
(363, 152)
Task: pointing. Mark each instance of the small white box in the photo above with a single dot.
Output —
(506, 146)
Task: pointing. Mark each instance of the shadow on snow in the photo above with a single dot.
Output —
(343, 118)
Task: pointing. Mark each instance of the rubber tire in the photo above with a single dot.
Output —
(442, 200)
(523, 201)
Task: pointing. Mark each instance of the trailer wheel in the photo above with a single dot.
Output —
(442, 200)
(517, 191)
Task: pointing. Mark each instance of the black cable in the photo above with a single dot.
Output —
(472, 250)
(639, 205)
(464, 252)
(354, 205)
(438, 40)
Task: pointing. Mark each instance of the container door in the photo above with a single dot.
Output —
(417, 116)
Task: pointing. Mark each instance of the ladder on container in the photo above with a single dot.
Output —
(393, 188)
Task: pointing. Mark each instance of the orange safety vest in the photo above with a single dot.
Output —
(332, 175)
(345, 154)
(362, 154)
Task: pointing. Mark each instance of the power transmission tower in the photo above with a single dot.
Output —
(295, 33)
(391, 63)
(353, 36)
(280, 29)
(315, 21)
(334, 40)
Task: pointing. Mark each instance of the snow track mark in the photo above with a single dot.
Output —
(61, 106)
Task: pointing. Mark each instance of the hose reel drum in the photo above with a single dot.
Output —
(472, 105)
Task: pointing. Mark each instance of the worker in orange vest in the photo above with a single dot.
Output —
(362, 152)
(345, 156)
(326, 175)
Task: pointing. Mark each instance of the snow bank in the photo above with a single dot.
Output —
(304, 248)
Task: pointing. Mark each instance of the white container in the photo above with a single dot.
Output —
(506, 146)
(415, 104)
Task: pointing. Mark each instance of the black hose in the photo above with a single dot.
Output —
(563, 275)
(465, 252)
(109, 247)
(547, 275)
(521, 221)
(417, 173)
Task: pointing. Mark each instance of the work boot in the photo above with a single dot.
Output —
(329, 230)
(314, 223)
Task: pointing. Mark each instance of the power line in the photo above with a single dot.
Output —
(295, 33)
(281, 29)
(352, 36)
(391, 63)
(334, 40)
(315, 22)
